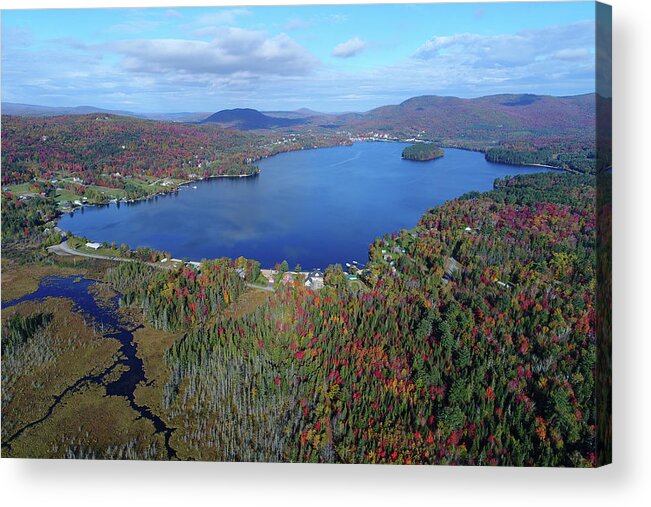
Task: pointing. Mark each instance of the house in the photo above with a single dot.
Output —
(241, 272)
(93, 245)
(314, 280)
(314, 283)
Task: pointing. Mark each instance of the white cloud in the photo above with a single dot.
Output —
(134, 26)
(349, 48)
(573, 54)
(222, 16)
(298, 24)
(234, 67)
(16, 36)
(555, 58)
(512, 50)
(233, 51)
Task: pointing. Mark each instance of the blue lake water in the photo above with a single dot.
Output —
(313, 207)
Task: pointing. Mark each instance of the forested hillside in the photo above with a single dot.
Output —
(474, 343)
(119, 152)
(517, 129)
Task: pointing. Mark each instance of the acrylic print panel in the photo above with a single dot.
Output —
(324, 234)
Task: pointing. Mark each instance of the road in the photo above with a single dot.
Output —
(65, 250)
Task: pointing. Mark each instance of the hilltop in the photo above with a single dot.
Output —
(250, 119)
(510, 128)
(492, 117)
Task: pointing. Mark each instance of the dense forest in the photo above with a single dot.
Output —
(20, 218)
(112, 151)
(470, 339)
(582, 161)
(422, 152)
(172, 300)
(473, 342)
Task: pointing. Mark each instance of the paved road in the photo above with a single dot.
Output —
(65, 250)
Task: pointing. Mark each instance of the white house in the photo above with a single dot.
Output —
(93, 246)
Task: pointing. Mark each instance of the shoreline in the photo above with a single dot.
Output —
(168, 191)
(171, 191)
(63, 249)
(210, 177)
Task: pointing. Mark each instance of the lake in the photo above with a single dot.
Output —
(313, 207)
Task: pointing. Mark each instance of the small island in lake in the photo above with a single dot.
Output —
(422, 152)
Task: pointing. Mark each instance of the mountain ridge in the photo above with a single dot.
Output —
(250, 119)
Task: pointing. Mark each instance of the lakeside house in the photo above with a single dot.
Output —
(93, 246)
(314, 280)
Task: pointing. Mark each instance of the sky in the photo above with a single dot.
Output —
(330, 58)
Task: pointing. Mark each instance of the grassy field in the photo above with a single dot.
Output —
(66, 195)
(247, 303)
(65, 350)
(152, 345)
(90, 424)
(80, 245)
(22, 188)
(86, 422)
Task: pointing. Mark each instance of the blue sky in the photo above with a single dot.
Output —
(328, 58)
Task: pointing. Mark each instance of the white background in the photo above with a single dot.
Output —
(626, 482)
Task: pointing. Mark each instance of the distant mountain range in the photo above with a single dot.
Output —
(495, 117)
(491, 119)
(11, 108)
(250, 119)
(32, 110)
(453, 116)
